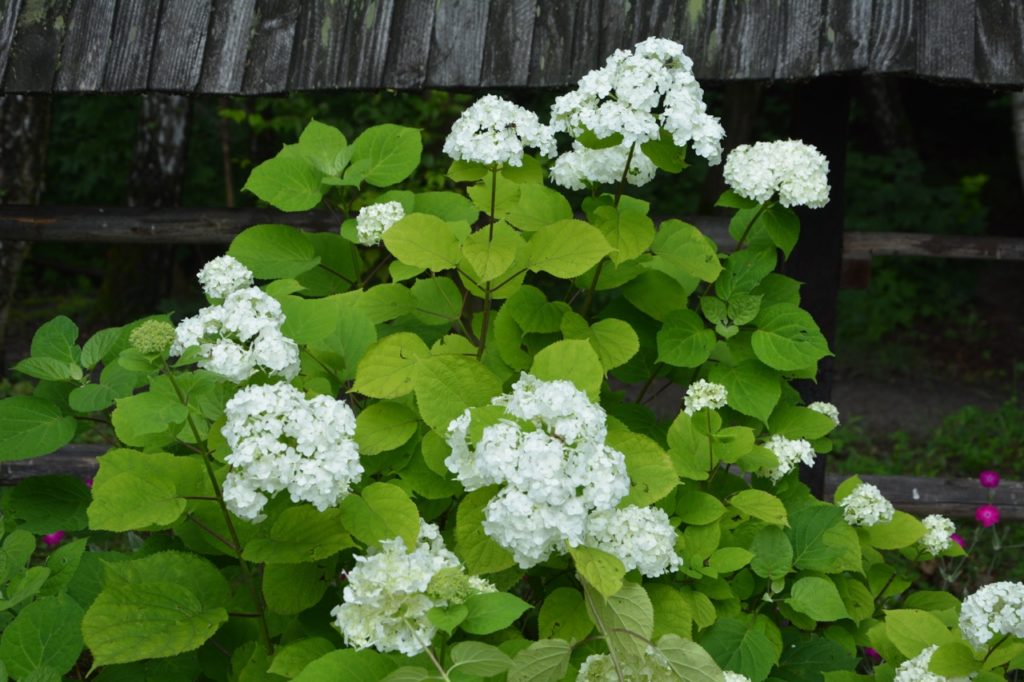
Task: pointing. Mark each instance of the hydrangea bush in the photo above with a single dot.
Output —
(422, 449)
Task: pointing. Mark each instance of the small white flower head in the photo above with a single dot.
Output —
(386, 602)
(281, 441)
(994, 610)
(790, 453)
(702, 395)
(652, 667)
(916, 669)
(641, 537)
(496, 131)
(374, 220)
(866, 506)
(583, 167)
(222, 276)
(938, 534)
(827, 409)
(796, 171)
(735, 677)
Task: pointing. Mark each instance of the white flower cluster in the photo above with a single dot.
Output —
(374, 220)
(790, 453)
(938, 534)
(281, 441)
(703, 394)
(827, 409)
(653, 667)
(222, 275)
(797, 171)
(547, 450)
(388, 594)
(494, 130)
(735, 677)
(637, 93)
(916, 669)
(241, 335)
(995, 609)
(582, 167)
(866, 506)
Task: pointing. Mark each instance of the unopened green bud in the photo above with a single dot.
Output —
(451, 585)
(152, 336)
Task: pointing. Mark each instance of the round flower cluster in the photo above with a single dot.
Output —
(790, 453)
(281, 441)
(582, 167)
(239, 337)
(152, 336)
(653, 667)
(545, 446)
(916, 669)
(496, 131)
(995, 609)
(703, 394)
(222, 275)
(827, 409)
(797, 171)
(390, 592)
(735, 677)
(938, 535)
(374, 220)
(636, 94)
(866, 506)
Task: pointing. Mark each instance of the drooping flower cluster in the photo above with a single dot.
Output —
(703, 394)
(653, 667)
(582, 167)
(241, 335)
(995, 609)
(916, 669)
(790, 453)
(938, 535)
(390, 592)
(496, 131)
(544, 443)
(222, 275)
(281, 441)
(374, 220)
(866, 506)
(827, 409)
(798, 172)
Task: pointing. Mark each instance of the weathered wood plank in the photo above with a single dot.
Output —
(319, 33)
(131, 49)
(180, 45)
(847, 28)
(409, 55)
(800, 50)
(457, 44)
(933, 245)
(746, 50)
(506, 62)
(551, 51)
(71, 460)
(35, 51)
(9, 10)
(86, 47)
(270, 47)
(945, 39)
(227, 46)
(893, 44)
(999, 41)
(364, 53)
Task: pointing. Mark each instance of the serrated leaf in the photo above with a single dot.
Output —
(390, 153)
(386, 370)
(787, 338)
(566, 249)
(31, 426)
(288, 182)
(599, 569)
(689, 660)
(301, 534)
(546, 660)
(760, 505)
(575, 361)
(684, 341)
(477, 658)
(489, 612)
(274, 251)
(382, 511)
(384, 426)
(46, 634)
(539, 206)
(478, 552)
(425, 241)
(446, 385)
(563, 615)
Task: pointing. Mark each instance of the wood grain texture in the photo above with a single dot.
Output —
(365, 46)
(457, 43)
(227, 46)
(9, 10)
(506, 63)
(847, 28)
(408, 55)
(86, 47)
(893, 44)
(180, 45)
(999, 42)
(270, 47)
(36, 46)
(945, 39)
(131, 49)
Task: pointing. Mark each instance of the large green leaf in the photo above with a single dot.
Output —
(817, 598)
(629, 232)
(773, 553)
(46, 504)
(46, 635)
(477, 658)
(446, 385)
(546, 660)
(290, 589)
(787, 338)
(49, 369)
(651, 474)
(684, 341)
(478, 552)
(384, 426)
(689, 660)
(575, 361)
(751, 388)
(737, 647)
(628, 619)
(56, 340)
(492, 611)
(129, 502)
(423, 241)
(387, 368)
(325, 146)
(614, 340)
(381, 512)
(911, 630)
(489, 255)
(683, 248)
(139, 417)
(32, 426)
(349, 665)
(274, 251)
(300, 534)
(390, 153)
(539, 206)
(288, 182)
(564, 615)
(601, 570)
(567, 248)
(760, 505)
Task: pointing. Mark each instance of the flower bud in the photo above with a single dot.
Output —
(152, 336)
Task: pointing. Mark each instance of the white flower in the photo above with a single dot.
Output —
(995, 609)
(222, 276)
(532, 531)
(938, 534)
(583, 167)
(866, 506)
(642, 537)
(703, 394)
(374, 220)
(281, 441)
(798, 172)
(496, 131)
(916, 669)
(827, 409)
(653, 667)
(735, 677)
(790, 453)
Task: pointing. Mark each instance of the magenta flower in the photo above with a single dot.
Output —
(872, 655)
(989, 479)
(958, 540)
(987, 515)
(53, 539)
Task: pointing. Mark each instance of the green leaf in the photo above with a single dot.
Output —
(689, 660)
(49, 369)
(811, 543)
(685, 249)
(903, 531)
(24, 586)
(290, 589)
(478, 552)
(563, 615)
(292, 658)
(308, 321)
(349, 665)
(384, 426)
(665, 153)
(788, 339)
(773, 553)
(381, 512)
(46, 634)
(912, 630)
(546, 660)
(575, 361)
(729, 559)
(808, 658)
(737, 647)
(385, 302)
(46, 504)
(424, 241)
(614, 340)
(300, 534)
(954, 659)
(566, 249)
(467, 171)
(129, 502)
(656, 294)
(532, 311)
(794, 422)
(629, 232)
(505, 197)
(628, 618)
(274, 251)
(477, 658)
(138, 417)
(490, 255)
(671, 611)
(684, 341)
(783, 227)
(760, 505)
(818, 598)
(447, 206)
(325, 147)
(91, 398)
(100, 345)
(387, 368)
(449, 618)
(492, 611)
(63, 565)
(752, 389)
(288, 182)
(391, 153)
(599, 569)
(744, 270)
(438, 301)
(446, 385)
(699, 509)
(730, 199)
(651, 473)
(31, 426)
(56, 340)
(539, 206)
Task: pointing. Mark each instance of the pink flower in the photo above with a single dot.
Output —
(88, 483)
(872, 655)
(987, 515)
(958, 540)
(989, 479)
(53, 539)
